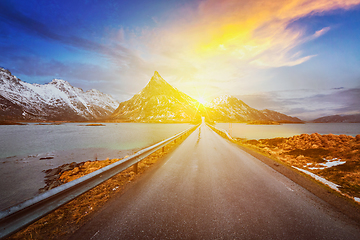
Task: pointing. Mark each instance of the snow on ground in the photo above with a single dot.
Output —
(320, 179)
(329, 163)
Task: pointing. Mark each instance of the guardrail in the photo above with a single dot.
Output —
(221, 132)
(17, 217)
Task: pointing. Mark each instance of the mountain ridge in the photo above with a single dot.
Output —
(351, 118)
(158, 101)
(57, 100)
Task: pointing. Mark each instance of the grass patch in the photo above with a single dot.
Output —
(310, 152)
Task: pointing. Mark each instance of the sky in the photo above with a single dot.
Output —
(298, 57)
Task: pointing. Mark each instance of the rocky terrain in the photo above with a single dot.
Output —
(54, 101)
(333, 157)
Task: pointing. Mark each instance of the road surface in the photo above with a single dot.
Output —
(208, 188)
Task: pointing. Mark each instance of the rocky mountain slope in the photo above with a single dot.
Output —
(55, 101)
(160, 102)
(231, 109)
(355, 118)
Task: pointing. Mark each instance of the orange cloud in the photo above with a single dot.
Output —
(256, 31)
(228, 38)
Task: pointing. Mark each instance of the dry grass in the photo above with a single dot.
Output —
(310, 151)
(65, 220)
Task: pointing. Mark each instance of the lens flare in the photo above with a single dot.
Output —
(202, 100)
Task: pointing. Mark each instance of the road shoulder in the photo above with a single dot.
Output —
(336, 200)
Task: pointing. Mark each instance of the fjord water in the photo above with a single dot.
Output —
(20, 140)
(23, 148)
(248, 131)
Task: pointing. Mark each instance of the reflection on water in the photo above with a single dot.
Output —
(242, 130)
(34, 139)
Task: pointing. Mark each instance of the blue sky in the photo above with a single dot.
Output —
(298, 57)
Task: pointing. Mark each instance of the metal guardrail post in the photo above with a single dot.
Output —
(17, 217)
(136, 167)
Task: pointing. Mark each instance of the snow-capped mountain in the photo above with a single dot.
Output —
(229, 108)
(57, 100)
(158, 102)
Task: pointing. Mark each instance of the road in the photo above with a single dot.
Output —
(208, 188)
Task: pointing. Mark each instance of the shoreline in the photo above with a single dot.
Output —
(16, 171)
(69, 217)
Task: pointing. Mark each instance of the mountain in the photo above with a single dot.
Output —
(55, 101)
(355, 118)
(158, 102)
(230, 109)
(280, 117)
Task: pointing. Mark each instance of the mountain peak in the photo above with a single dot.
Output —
(59, 83)
(6, 74)
(158, 101)
(156, 73)
(157, 78)
(158, 85)
(224, 99)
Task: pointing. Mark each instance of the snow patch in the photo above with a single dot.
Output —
(329, 163)
(320, 179)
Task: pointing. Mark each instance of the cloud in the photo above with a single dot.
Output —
(211, 43)
(307, 104)
(10, 15)
(321, 32)
(253, 31)
(229, 38)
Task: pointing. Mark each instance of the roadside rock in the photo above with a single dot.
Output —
(52, 178)
(357, 138)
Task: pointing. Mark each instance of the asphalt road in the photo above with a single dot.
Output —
(210, 189)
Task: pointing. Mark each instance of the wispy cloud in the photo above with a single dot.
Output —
(32, 26)
(225, 39)
(223, 45)
(308, 104)
(321, 32)
(247, 31)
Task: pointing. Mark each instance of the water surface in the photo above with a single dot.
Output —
(19, 140)
(243, 130)
(23, 146)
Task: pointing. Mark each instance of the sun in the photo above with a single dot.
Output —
(202, 100)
